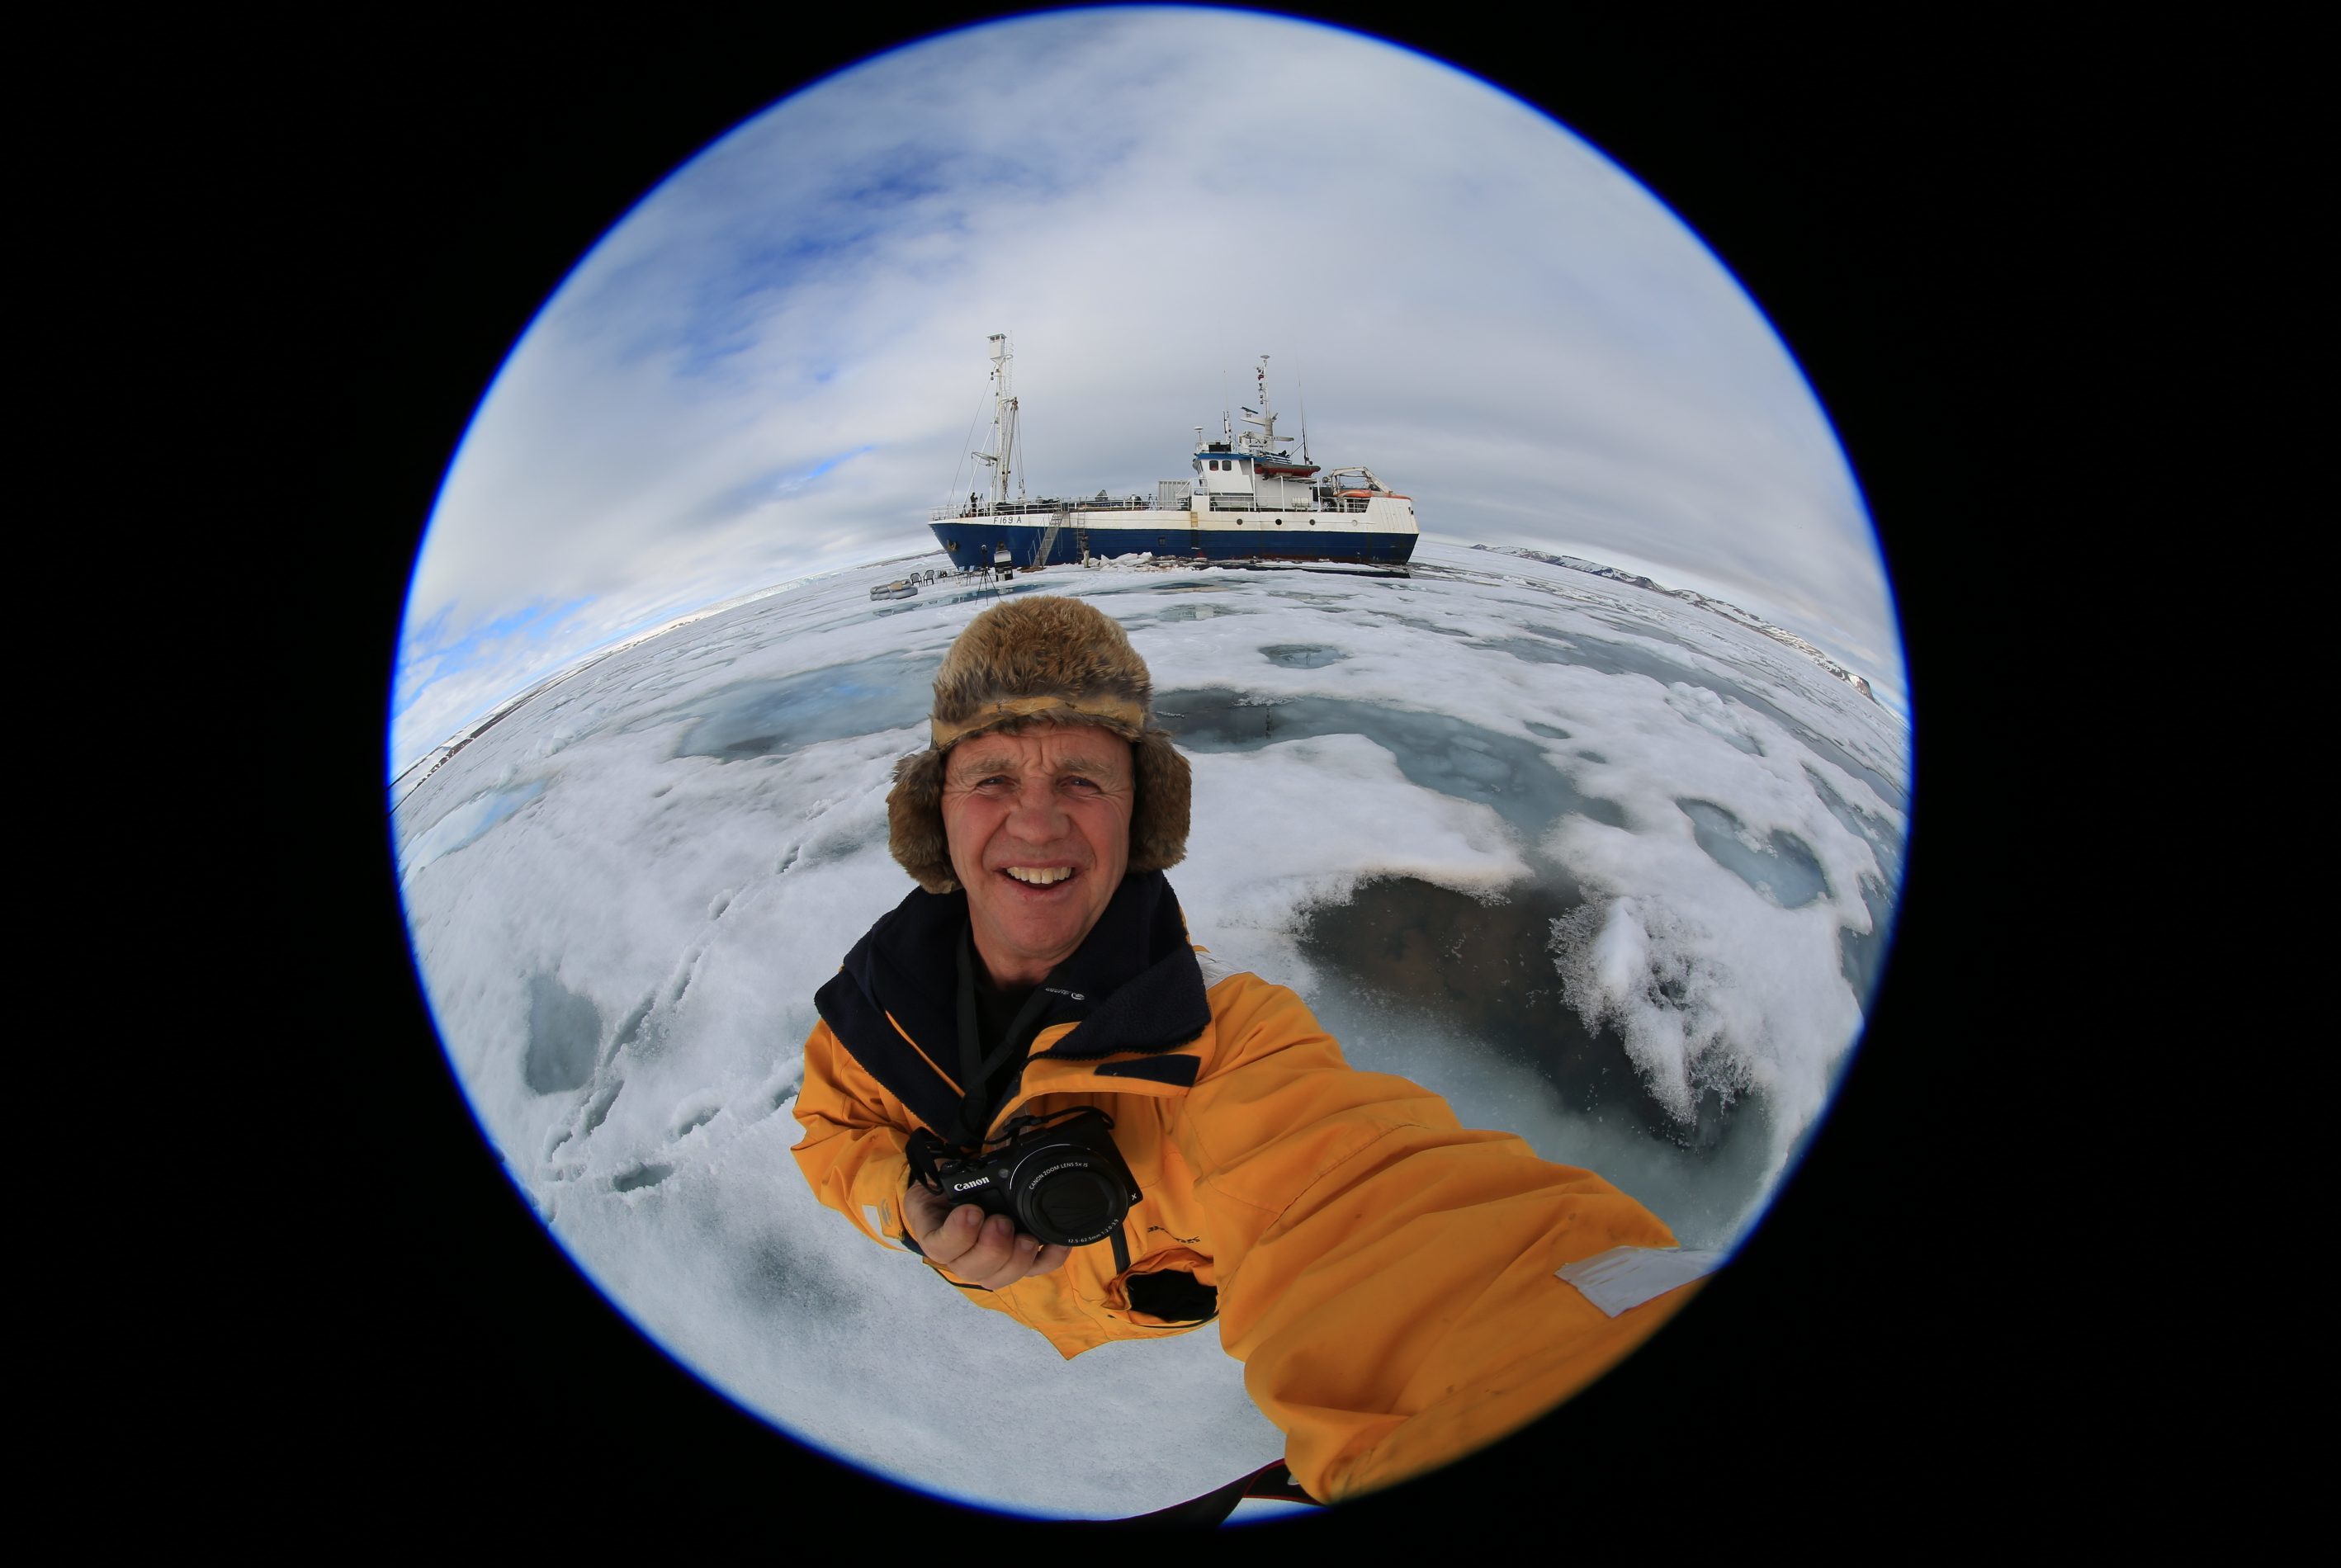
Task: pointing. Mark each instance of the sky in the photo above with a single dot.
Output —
(776, 365)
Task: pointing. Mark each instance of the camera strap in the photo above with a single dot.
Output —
(977, 1066)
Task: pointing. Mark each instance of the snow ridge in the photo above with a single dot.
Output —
(1724, 607)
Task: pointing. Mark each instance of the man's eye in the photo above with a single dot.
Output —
(1082, 783)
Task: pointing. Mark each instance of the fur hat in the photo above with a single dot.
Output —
(1044, 661)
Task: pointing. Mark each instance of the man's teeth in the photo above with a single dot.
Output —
(1039, 876)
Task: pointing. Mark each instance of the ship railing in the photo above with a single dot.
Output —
(1077, 510)
(1245, 503)
(1036, 509)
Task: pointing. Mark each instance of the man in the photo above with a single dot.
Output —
(1390, 1279)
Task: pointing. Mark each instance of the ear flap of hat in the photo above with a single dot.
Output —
(1158, 830)
(914, 821)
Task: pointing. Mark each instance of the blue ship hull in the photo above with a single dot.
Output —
(969, 543)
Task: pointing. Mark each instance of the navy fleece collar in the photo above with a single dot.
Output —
(1133, 984)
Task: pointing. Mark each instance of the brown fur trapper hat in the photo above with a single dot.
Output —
(1040, 661)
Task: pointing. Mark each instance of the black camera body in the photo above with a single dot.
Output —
(1057, 1177)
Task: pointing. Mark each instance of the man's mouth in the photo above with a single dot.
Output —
(1039, 876)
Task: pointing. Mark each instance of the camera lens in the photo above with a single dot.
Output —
(1074, 1205)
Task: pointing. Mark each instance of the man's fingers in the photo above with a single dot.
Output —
(1023, 1256)
(956, 1236)
(969, 1243)
(1026, 1257)
(941, 1231)
(982, 1249)
(924, 1213)
(1000, 1257)
(992, 1258)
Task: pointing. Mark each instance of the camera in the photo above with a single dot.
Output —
(1057, 1177)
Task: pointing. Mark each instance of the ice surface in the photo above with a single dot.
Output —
(466, 822)
(1602, 868)
(1782, 868)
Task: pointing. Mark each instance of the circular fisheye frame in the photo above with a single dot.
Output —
(1499, 576)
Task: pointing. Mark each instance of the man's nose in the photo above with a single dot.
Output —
(1039, 815)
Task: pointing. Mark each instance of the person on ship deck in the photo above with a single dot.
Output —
(1388, 1278)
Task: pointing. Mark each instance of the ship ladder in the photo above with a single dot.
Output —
(1057, 523)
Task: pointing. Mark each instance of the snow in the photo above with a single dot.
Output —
(1501, 823)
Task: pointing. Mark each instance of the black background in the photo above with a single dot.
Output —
(1856, 1375)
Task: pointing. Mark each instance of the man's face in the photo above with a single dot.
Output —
(1039, 828)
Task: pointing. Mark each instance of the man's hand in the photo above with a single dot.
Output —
(982, 1249)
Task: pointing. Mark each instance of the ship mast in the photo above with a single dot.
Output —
(1304, 416)
(1003, 424)
(1264, 441)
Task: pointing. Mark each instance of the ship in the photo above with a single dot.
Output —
(1248, 499)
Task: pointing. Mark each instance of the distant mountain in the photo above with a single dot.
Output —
(1728, 610)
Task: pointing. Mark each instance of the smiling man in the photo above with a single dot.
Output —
(1401, 1289)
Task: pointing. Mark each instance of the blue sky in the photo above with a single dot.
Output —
(768, 368)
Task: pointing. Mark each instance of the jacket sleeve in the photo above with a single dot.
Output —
(853, 1153)
(853, 1149)
(1385, 1274)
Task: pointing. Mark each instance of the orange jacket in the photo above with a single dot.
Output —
(1385, 1274)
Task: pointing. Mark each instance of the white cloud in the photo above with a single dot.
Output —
(1494, 317)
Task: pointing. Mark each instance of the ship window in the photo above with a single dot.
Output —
(1279, 522)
